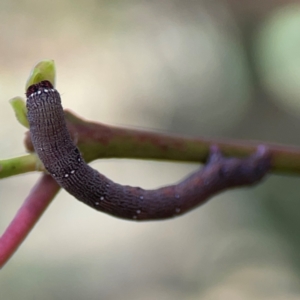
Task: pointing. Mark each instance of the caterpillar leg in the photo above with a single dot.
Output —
(239, 171)
(219, 174)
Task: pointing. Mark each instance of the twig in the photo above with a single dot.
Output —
(27, 216)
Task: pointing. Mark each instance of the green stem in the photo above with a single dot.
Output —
(97, 141)
(19, 165)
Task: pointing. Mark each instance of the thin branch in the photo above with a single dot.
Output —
(19, 165)
(97, 140)
(27, 216)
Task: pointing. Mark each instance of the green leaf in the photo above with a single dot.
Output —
(19, 106)
(44, 70)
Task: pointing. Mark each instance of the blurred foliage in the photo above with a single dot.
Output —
(278, 59)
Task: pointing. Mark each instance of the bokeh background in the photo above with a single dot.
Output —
(205, 68)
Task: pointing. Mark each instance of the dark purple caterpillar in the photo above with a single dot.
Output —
(61, 158)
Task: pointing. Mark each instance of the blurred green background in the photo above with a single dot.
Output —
(206, 68)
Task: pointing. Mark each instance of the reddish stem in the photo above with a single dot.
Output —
(96, 140)
(27, 216)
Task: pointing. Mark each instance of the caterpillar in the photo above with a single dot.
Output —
(62, 159)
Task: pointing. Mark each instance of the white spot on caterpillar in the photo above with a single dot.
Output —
(107, 185)
(52, 90)
(101, 198)
(66, 175)
(54, 175)
(45, 90)
(138, 211)
(39, 92)
(177, 210)
(141, 197)
(73, 171)
(79, 160)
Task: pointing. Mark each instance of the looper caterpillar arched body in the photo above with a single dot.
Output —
(62, 159)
